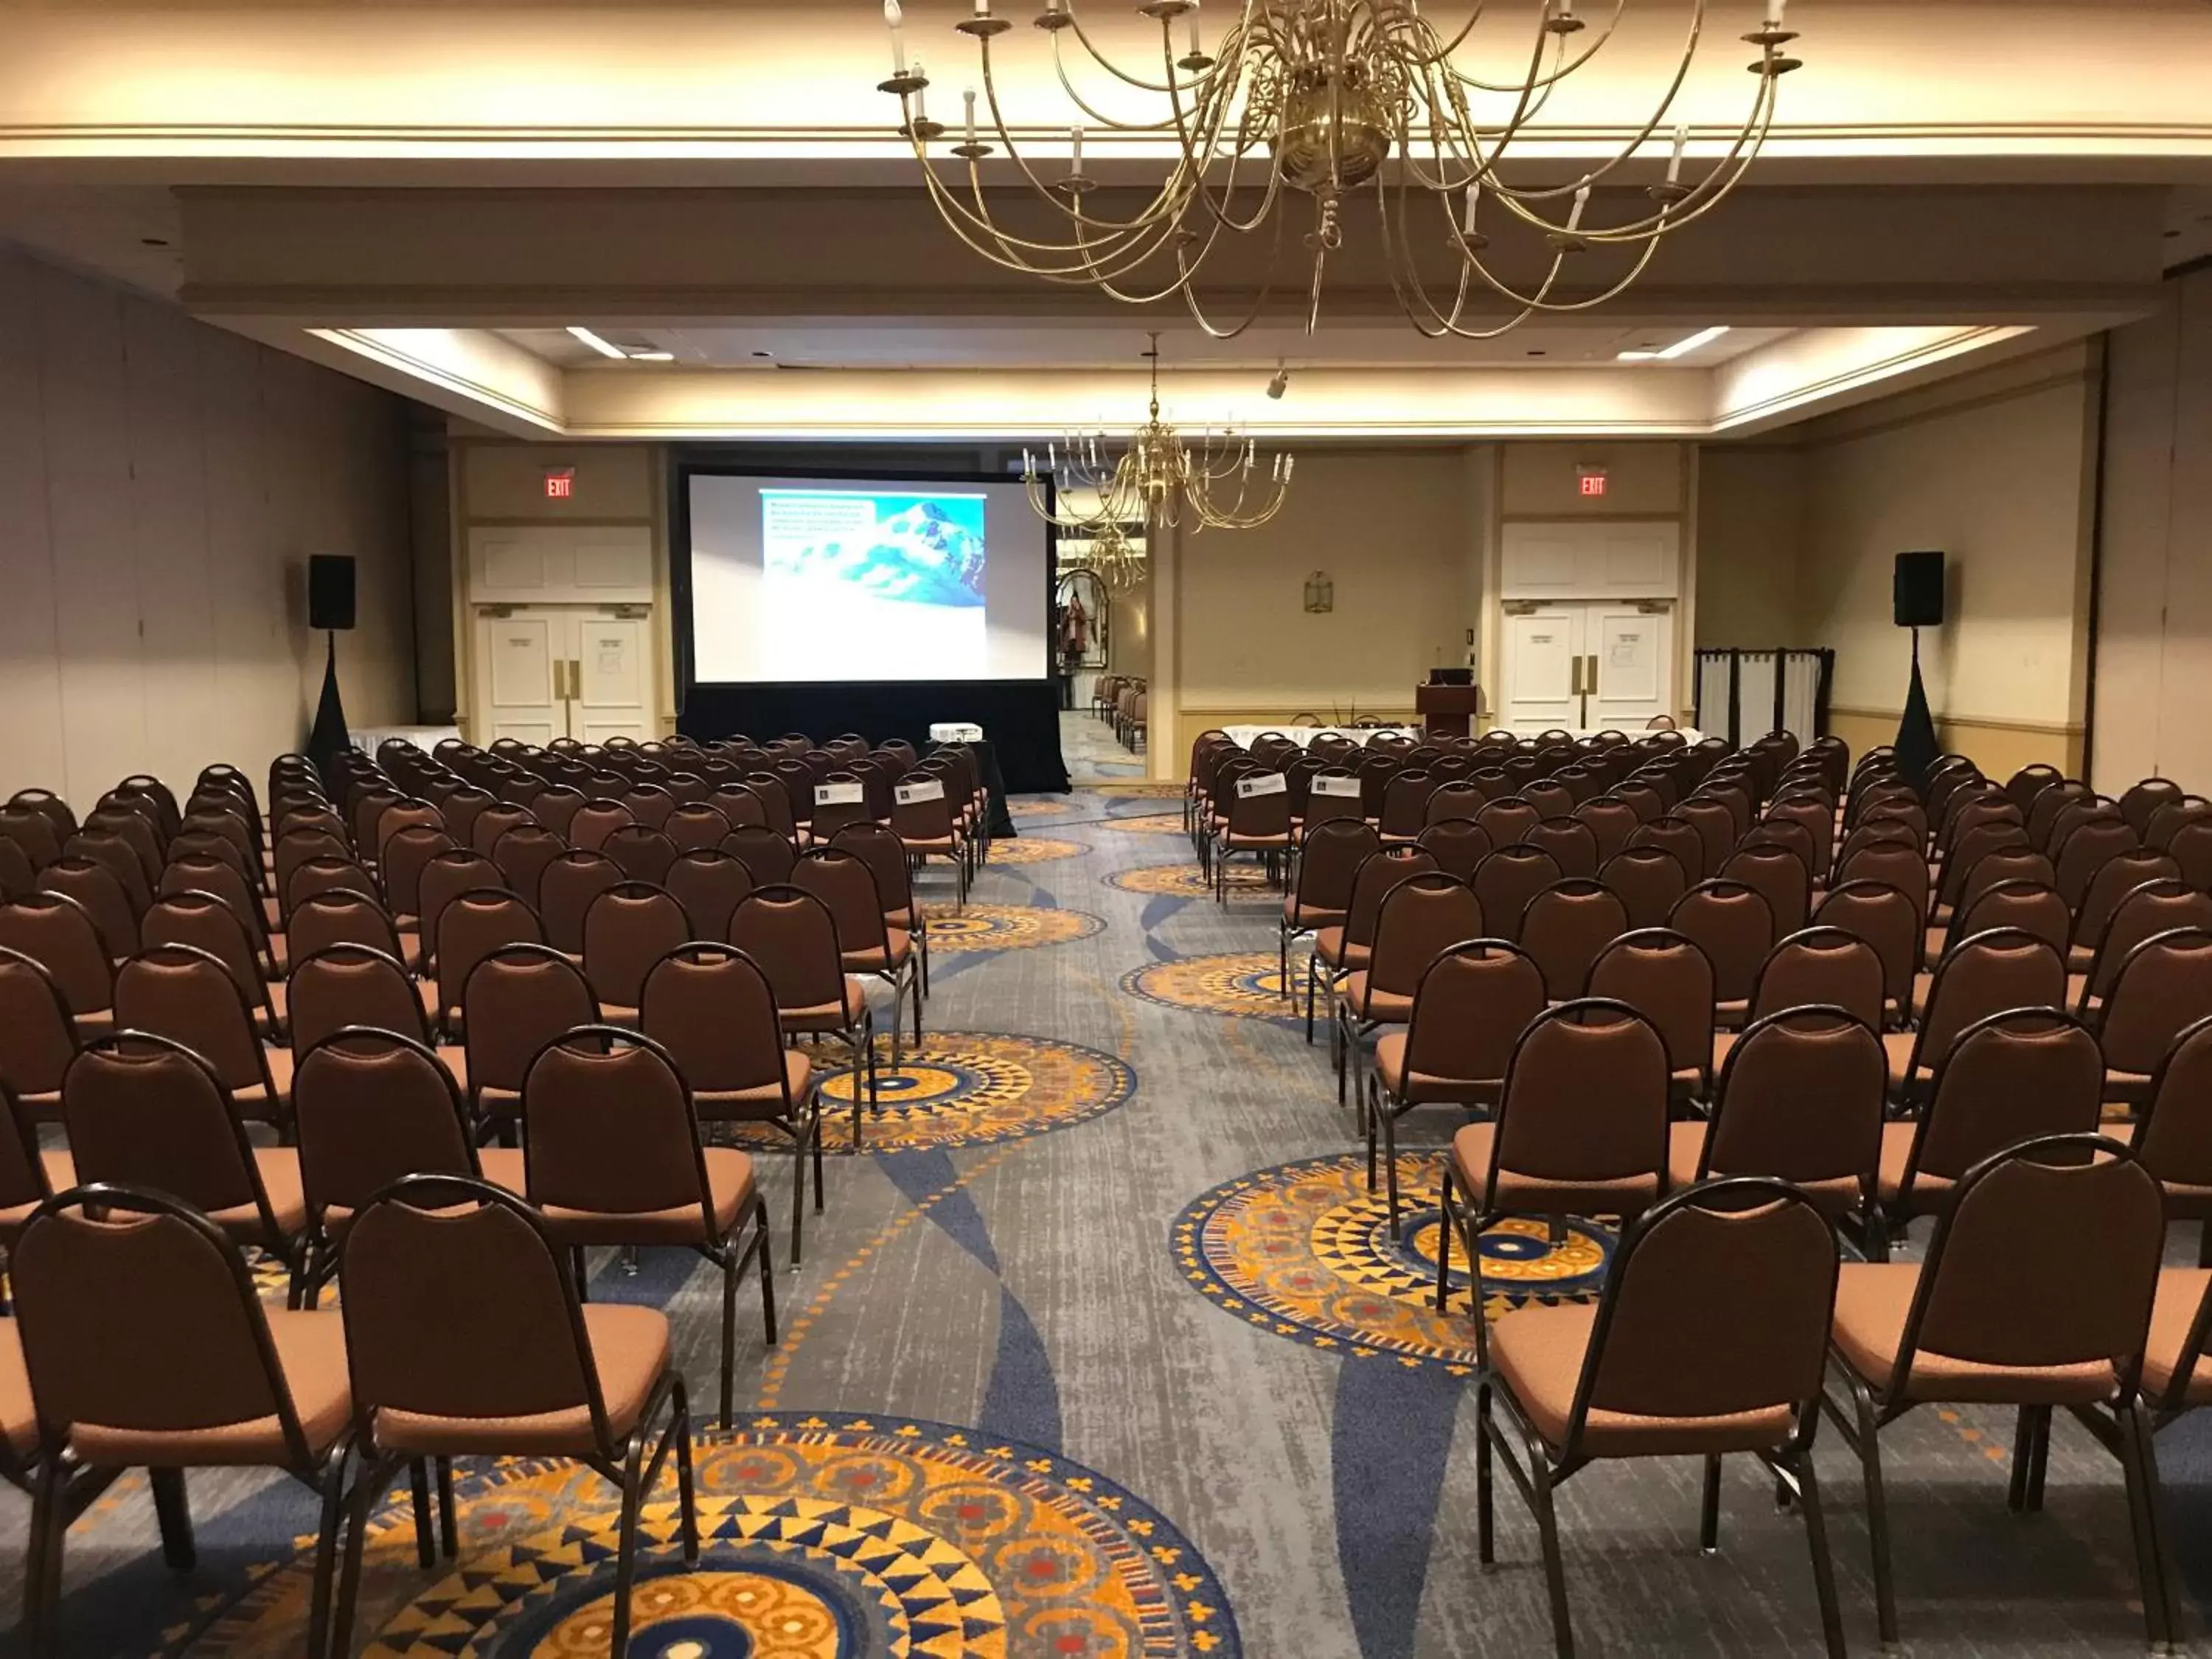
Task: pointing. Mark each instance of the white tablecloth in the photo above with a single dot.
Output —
(1303, 735)
(425, 737)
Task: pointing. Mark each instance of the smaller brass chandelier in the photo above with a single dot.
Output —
(1218, 479)
(1107, 554)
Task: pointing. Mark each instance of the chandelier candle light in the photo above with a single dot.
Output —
(1219, 478)
(1327, 99)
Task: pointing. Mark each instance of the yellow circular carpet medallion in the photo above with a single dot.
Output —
(1005, 927)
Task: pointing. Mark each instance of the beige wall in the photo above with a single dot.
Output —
(2153, 646)
(165, 482)
(1997, 469)
(1129, 630)
(1398, 532)
(1751, 501)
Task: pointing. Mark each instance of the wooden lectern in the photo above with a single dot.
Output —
(1448, 711)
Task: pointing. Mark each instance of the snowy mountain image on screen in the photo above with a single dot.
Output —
(927, 552)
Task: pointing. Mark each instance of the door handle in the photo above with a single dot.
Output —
(1575, 691)
(1592, 686)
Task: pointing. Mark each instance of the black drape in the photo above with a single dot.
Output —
(1917, 748)
(1020, 718)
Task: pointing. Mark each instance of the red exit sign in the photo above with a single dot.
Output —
(1590, 481)
(560, 482)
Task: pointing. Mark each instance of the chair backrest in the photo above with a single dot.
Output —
(446, 877)
(2173, 1126)
(695, 825)
(1715, 821)
(213, 872)
(133, 859)
(641, 852)
(1473, 1002)
(522, 852)
(1329, 861)
(95, 886)
(342, 985)
(519, 998)
(1378, 873)
(1566, 927)
(495, 822)
(1826, 965)
(1733, 925)
(1718, 1305)
(1452, 801)
(609, 1128)
(1816, 817)
(878, 848)
(1886, 920)
(2046, 1257)
(556, 806)
(710, 885)
(1801, 1098)
(1611, 820)
(37, 1038)
(2142, 801)
(182, 992)
(1667, 978)
(2172, 815)
(2156, 907)
(1573, 845)
(2033, 906)
(138, 1316)
(458, 1305)
(597, 819)
(33, 831)
(1458, 845)
(791, 935)
(1507, 879)
(844, 883)
(712, 1008)
(59, 934)
(566, 889)
(1987, 974)
(1679, 837)
(2115, 878)
(1585, 1102)
(470, 928)
(372, 1106)
(406, 855)
(2086, 850)
(2024, 1072)
(1419, 919)
(765, 852)
(207, 923)
(2161, 988)
(1506, 819)
(1649, 881)
(630, 927)
(148, 1112)
(1780, 877)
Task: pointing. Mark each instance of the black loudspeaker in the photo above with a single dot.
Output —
(330, 591)
(1917, 594)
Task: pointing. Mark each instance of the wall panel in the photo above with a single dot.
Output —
(168, 482)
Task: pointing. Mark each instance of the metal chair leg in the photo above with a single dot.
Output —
(173, 1513)
(1824, 1567)
(1709, 1507)
(1547, 1532)
(1486, 1540)
(1867, 1440)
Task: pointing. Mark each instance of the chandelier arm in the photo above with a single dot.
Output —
(1170, 187)
(1406, 277)
(1259, 302)
(1563, 66)
(1244, 144)
(1108, 65)
(965, 220)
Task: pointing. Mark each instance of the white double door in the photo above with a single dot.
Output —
(548, 672)
(1586, 664)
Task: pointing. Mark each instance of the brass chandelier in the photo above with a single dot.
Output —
(1218, 479)
(1328, 99)
(1107, 554)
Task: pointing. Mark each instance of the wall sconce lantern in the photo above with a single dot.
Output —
(1321, 593)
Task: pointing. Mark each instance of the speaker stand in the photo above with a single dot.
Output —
(1916, 747)
(328, 740)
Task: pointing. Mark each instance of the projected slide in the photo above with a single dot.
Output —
(817, 580)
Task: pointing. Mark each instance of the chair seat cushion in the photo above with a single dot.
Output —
(1276, 842)
(19, 1418)
(1520, 1194)
(1298, 917)
(1928, 1190)
(1381, 1007)
(629, 1350)
(310, 1348)
(884, 960)
(288, 1202)
(61, 1175)
(1424, 1087)
(739, 1105)
(730, 1185)
(1538, 1352)
(2180, 1293)
(1898, 1046)
(829, 1016)
(1329, 945)
(1873, 1299)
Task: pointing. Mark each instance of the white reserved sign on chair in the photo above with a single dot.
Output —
(928, 789)
(840, 795)
(1268, 783)
(1346, 788)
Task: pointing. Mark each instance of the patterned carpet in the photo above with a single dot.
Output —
(1102, 1348)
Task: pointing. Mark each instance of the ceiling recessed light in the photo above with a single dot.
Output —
(1538, 354)
(653, 357)
(763, 354)
(155, 241)
(605, 348)
(1667, 354)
